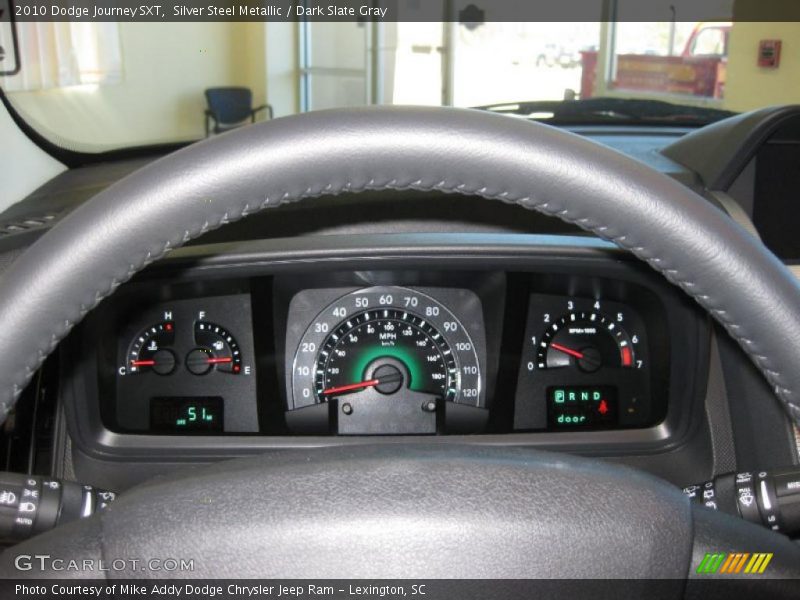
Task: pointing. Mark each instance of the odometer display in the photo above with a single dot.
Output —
(391, 341)
(186, 414)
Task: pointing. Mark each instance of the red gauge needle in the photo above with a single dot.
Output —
(566, 350)
(143, 363)
(351, 386)
(216, 361)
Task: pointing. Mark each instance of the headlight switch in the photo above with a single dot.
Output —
(31, 504)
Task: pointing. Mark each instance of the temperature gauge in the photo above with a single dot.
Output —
(150, 352)
(216, 350)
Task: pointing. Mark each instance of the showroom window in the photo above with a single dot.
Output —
(57, 55)
(354, 64)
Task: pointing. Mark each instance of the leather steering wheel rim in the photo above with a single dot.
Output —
(173, 200)
(136, 221)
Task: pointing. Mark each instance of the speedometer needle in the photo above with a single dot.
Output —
(566, 350)
(351, 386)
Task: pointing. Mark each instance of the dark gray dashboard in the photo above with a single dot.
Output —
(241, 279)
(376, 212)
(507, 274)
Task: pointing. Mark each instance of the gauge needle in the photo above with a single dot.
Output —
(216, 361)
(143, 363)
(389, 378)
(351, 386)
(566, 350)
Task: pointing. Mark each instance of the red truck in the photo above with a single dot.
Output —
(698, 71)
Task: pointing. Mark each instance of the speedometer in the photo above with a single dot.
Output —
(389, 350)
(386, 343)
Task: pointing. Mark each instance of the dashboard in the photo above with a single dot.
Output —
(480, 336)
(390, 359)
(401, 316)
(378, 339)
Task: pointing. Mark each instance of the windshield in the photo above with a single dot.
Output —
(94, 86)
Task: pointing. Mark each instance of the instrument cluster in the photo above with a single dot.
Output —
(385, 353)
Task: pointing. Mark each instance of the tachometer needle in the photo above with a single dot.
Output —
(351, 386)
(566, 350)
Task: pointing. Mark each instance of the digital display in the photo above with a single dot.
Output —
(582, 407)
(171, 414)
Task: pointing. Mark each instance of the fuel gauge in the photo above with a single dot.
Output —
(216, 350)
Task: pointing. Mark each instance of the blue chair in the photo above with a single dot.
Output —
(230, 107)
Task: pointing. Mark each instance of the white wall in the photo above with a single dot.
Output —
(749, 86)
(23, 166)
(281, 67)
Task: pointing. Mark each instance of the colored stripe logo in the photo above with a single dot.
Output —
(734, 563)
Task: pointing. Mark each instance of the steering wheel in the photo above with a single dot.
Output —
(399, 510)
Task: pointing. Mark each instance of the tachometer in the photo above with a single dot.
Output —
(588, 341)
(584, 365)
(391, 341)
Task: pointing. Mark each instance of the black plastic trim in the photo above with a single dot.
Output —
(589, 257)
(734, 141)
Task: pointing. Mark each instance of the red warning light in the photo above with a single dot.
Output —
(627, 357)
(168, 326)
(603, 408)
